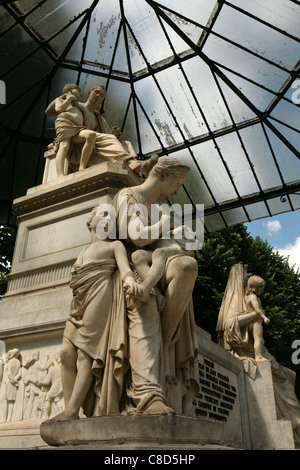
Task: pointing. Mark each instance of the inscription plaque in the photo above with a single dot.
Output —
(217, 396)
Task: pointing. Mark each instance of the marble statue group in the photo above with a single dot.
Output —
(129, 344)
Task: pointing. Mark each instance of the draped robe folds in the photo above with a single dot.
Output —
(100, 334)
(145, 335)
(107, 146)
(237, 341)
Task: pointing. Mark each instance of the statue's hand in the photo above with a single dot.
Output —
(131, 287)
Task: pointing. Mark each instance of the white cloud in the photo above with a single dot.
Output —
(292, 251)
(273, 226)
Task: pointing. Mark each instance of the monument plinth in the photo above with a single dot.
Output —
(51, 233)
(227, 410)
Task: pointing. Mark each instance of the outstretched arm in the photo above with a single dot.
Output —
(60, 104)
(130, 285)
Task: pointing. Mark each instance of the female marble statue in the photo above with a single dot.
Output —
(94, 348)
(160, 343)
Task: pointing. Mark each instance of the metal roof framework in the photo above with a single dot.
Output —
(213, 83)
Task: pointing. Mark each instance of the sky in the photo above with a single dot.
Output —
(282, 233)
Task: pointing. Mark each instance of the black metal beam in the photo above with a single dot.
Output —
(261, 197)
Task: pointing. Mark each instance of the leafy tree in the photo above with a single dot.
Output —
(7, 242)
(280, 300)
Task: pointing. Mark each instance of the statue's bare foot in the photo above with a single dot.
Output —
(63, 416)
(159, 407)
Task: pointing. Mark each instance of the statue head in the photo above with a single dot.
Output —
(70, 87)
(255, 285)
(96, 95)
(169, 174)
(169, 167)
(102, 220)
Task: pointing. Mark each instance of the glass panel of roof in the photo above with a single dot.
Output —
(244, 63)
(54, 15)
(289, 133)
(295, 200)
(235, 216)
(213, 222)
(178, 94)
(257, 210)
(129, 130)
(257, 37)
(27, 156)
(260, 156)
(258, 96)
(282, 14)
(6, 168)
(287, 113)
(15, 45)
(61, 40)
(75, 52)
(103, 30)
(179, 45)
(288, 162)
(116, 102)
(27, 74)
(120, 63)
(150, 139)
(37, 119)
(147, 31)
(214, 171)
(207, 93)
(22, 8)
(238, 109)
(240, 170)
(6, 20)
(157, 110)
(191, 30)
(279, 205)
(17, 107)
(198, 10)
(137, 62)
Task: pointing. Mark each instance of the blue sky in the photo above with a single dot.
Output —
(282, 233)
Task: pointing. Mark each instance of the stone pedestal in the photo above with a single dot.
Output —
(266, 431)
(21, 435)
(51, 233)
(163, 432)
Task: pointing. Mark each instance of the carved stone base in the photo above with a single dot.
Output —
(266, 430)
(131, 432)
(21, 435)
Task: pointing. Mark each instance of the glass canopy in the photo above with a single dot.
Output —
(212, 83)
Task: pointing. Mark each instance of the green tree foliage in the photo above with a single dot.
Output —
(7, 242)
(280, 300)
